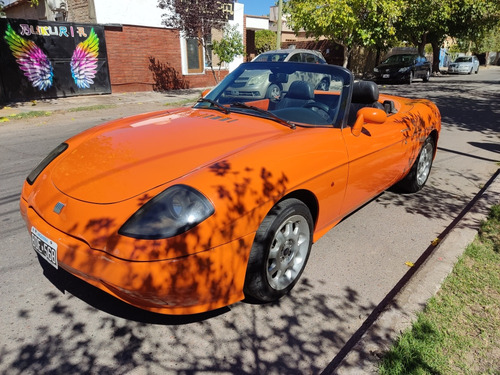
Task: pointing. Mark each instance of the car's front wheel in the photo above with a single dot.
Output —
(323, 85)
(419, 172)
(427, 76)
(280, 251)
(274, 92)
(410, 78)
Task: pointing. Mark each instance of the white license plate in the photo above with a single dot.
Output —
(44, 246)
(386, 76)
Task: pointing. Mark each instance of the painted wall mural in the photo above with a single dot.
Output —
(51, 59)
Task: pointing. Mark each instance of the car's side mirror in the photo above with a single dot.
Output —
(205, 92)
(368, 115)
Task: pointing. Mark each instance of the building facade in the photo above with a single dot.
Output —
(142, 54)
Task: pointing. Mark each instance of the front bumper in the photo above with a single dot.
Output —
(186, 285)
(392, 76)
(459, 69)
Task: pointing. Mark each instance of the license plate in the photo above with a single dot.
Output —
(44, 246)
(386, 76)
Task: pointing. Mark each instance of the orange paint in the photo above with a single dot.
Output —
(242, 164)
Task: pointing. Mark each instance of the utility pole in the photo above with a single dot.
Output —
(280, 16)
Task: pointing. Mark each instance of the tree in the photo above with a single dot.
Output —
(229, 47)
(265, 40)
(431, 21)
(477, 24)
(425, 21)
(196, 19)
(349, 23)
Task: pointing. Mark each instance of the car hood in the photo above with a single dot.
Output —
(128, 157)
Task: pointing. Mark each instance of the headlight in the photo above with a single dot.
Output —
(43, 164)
(257, 80)
(172, 212)
(375, 70)
(402, 70)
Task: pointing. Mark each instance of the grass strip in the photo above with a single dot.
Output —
(25, 115)
(92, 108)
(459, 330)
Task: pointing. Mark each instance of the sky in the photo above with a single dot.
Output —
(257, 7)
(252, 7)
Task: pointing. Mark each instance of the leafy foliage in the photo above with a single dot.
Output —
(349, 23)
(229, 47)
(196, 19)
(265, 40)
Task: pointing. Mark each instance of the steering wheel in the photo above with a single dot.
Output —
(318, 105)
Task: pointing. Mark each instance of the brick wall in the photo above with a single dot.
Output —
(135, 51)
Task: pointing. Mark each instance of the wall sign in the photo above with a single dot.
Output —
(43, 59)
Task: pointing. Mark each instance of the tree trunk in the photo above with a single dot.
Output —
(435, 56)
(347, 52)
(421, 44)
(497, 57)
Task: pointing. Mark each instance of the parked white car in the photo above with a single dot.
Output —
(464, 65)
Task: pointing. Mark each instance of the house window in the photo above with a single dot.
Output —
(194, 56)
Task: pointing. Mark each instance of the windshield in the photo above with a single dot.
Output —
(296, 93)
(398, 59)
(271, 57)
(464, 59)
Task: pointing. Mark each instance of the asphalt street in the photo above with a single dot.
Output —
(332, 320)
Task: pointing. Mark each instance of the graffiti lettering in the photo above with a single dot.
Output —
(61, 31)
(81, 32)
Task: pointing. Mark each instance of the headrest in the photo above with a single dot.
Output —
(300, 90)
(365, 92)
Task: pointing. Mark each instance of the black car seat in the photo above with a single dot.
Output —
(364, 94)
(299, 94)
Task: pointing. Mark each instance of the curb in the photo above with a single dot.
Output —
(378, 334)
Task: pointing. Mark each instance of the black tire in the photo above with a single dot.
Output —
(323, 85)
(427, 76)
(471, 69)
(421, 169)
(274, 92)
(477, 70)
(280, 251)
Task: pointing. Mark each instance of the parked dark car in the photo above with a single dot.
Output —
(403, 68)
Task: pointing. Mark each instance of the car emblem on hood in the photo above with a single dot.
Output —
(58, 207)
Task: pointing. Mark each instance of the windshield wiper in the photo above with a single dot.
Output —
(213, 102)
(269, 114)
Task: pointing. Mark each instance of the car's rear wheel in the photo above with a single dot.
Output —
(477, 70)
(280, 251)
(419, 172)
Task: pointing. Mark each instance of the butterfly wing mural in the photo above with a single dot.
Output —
(84, 61)
(31, 59)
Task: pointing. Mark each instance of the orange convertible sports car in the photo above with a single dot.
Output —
(187, 210)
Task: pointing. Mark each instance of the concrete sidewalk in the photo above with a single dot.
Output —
(180, 97)
(397, 313)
